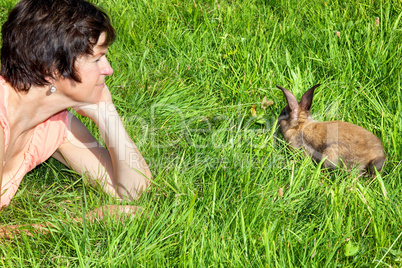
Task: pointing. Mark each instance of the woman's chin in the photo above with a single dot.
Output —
(96, 94)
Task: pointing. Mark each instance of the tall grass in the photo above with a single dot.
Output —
(227, 190)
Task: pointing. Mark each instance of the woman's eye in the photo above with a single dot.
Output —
(98, 59)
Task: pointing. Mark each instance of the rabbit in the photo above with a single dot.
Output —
(339, 142)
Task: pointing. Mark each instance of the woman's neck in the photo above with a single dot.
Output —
(28, 109)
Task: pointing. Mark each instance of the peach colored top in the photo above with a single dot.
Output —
(46, 138)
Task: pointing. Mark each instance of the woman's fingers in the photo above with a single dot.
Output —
(10, 231)
(112, 210)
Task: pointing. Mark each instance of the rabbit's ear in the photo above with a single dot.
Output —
(291, 99)
(307, 98)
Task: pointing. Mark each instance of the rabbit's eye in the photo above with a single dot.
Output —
(284, 112)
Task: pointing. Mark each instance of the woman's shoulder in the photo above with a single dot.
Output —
(3, 111)
(62, 117)
(3, 95)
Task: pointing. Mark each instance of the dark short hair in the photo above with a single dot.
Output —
(44, 38)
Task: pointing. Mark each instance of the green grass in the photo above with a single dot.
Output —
(186, 76)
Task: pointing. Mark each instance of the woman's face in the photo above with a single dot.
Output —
(92, 70)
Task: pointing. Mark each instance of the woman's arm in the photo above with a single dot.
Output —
(2, 142)
(10, 231)
(130, 170)
(121, 168)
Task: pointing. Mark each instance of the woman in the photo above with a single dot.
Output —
(53, 57)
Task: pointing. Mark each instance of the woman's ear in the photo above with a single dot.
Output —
(50, 79)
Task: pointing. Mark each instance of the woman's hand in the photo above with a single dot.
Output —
(93, 110)
(10, 231)
(113, 211)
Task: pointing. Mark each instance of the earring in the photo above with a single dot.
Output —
(53, 89)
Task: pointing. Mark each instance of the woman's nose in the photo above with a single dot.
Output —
(106, 69)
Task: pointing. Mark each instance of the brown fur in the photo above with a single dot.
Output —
(336, 140)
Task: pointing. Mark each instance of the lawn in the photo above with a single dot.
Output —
(195, 82)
